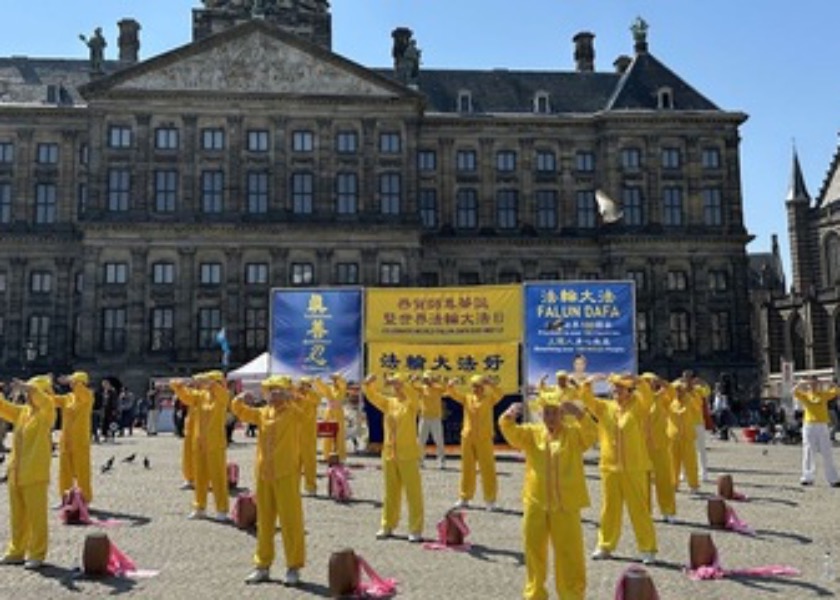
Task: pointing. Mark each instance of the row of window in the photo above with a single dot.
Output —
(466, 161)
(114, 329)
(346, 273)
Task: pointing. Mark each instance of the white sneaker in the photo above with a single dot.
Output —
(222, 517)
(668, 519)
(292, 577)
(196, 514)
(186, 486)
(11, 560)
(415, 538)
(257, 576)
(384, 534)
(33, 564)
(648, 558)
(601, 554)
(491, 507)
(462, 503)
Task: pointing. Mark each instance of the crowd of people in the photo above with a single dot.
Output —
(650, 433)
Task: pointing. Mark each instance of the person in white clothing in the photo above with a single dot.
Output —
(430, 391)
(815, 435)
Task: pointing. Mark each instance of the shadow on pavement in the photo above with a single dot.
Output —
(133, 520)
(484, 553)
(68, 579)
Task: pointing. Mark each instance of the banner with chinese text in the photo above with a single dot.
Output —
(477, 314)
(315, 332)
(580, 327)
(448, 361)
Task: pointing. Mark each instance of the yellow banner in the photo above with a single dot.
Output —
(476, 314)
(450, 361)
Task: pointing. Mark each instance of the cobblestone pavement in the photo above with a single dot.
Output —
(202, 559)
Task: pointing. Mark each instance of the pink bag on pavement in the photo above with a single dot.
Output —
(452, 531)
(338, 483)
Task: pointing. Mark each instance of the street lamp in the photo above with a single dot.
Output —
(30, 353)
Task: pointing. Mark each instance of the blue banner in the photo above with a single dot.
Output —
(316, 332)
(583, 327)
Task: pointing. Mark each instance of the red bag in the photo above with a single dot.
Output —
(244, 512)
(233, 476)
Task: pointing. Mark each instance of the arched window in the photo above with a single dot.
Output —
(831, 249)
(665, 98)
(541, 103)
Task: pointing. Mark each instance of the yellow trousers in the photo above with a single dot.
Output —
(28, 521)
(684, 457)
(399, 475)
(187, 466)
(211, 470)
(617, 490)
(563, 529)
(280, 498)
(663, 482)
(309, 459)
(74, 466)
(481, 452)
(339, 444)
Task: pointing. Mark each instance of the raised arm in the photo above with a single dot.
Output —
(184, 393)
(454, 393)
(9, 411)
(373, 395)
(515, 435)
(244, 412)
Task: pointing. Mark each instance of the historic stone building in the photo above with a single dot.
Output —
(803, 324)
(146, 204)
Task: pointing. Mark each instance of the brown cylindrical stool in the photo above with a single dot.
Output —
(701, 550)
(638, 585)
(95, 554)
(343, 574)
(246, 512)
(725, 487)
(716, 509)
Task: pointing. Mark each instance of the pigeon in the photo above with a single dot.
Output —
(607, 207)
(146, 462)
(108, 465)
(129, 459)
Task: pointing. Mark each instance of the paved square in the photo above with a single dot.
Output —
(203, 559)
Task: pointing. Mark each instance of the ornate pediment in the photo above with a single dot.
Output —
(256, 60)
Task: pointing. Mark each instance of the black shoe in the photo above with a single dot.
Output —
(806, 482)
(836, 484)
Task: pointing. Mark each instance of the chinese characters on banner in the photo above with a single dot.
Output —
(591, 320)
(457, 361)
(316, 332)
(480, 314)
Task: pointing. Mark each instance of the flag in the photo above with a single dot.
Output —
(221, 339)
(607, 207)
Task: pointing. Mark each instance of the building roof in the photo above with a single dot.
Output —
(766, 271)
(25, 81)
(830, 189)
(797, 189)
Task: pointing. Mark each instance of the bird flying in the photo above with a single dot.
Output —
(607, 207)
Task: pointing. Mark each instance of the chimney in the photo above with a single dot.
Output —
(584, 52)
(621, 63)
(129, 41)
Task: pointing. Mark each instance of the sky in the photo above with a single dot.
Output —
(775, 60)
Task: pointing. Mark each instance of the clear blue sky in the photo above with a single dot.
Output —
(776, 60)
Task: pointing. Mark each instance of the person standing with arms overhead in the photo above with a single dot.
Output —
(681, 431)
(658, 395)
(698, 412)
(184, 388)
(277, 475)
(336, 395)
(208, 401)
(816, 438)
(625, 467)
(554, 492)
(29, 471)
(477, 438)
(400, 454)
(74, 449)
(431, 393)
(309, 400)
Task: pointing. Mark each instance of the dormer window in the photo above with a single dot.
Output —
(665, 98)
(465, 101)
(542, 105)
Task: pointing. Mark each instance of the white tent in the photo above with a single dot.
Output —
(252, 372)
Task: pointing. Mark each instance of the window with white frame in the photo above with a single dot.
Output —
(45, 203)
(347, 142)
(39, 333)
(162, 330)
(585, 206)
(672, 207)
(166, 190)
(466, 208)
(427, 201)
(426, 160)
(584, 161)
(390, 273)
(114, 324)
(256, 328)
(507, 209)
(390, 142)
(671, 158)
(257, 140)
(256, 274)
(257, 192)
(712, 207)
(303, 193)
(40, 282)
(466, 161)
(303, 140)
(389, 193)
(116, 273)
(721, 333)
(506, 161)
(46, 154)
(347, 193)
(632, 206)
(347, 273)
(119, 189)
(302, 274)
(679, 329)
(209, 324)
(212, 191)
(163, 273)
(210, 273)
(166, 138)
(119, 136)
(677, 281)
(718, 280)
(213, 139)
(546, 162)
(546, 201)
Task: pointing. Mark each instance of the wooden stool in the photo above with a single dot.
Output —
(95, 555)
(343, 573)
(638, 585)
(725, 487)
(454, 535)
(245, 511)
(701, 550)
(716, 509)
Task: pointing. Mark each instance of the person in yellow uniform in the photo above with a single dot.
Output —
(554, 492)
(681, 433)
(207, 400)
(431, 393)
(309, 401)
(184, 387)
(336, 394)
(277, 475)
(74, 449)
(565, 385)
(699, 408)
(816, 438)
(29, 471)
(400, 454)
(658, 395)
(624, 464)
(477, 438)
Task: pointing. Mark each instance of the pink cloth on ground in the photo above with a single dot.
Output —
(377, 587)
(715, 571)
(74, 502)
(339, 481)
(460, 522)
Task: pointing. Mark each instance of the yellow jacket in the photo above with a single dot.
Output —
(208, 410)
(309, 401)
(621, 433)
(278, 443)
(31, 442)
(336, 394)
(77, 407)
(560, 459)
(399, 419)
(478, 411)
(682, 416)
(699, 392)
(815, 404)
(431, 397)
